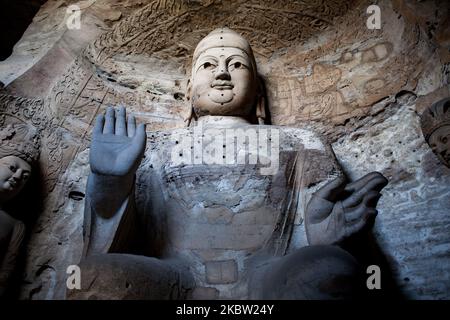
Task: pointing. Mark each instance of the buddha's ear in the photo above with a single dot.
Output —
(261, 103)
(190, 113)
(188, 90)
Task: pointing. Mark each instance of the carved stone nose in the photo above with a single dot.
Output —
(222, 70)
(17, 175)
(222, 74)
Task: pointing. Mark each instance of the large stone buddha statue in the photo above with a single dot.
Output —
(227, 208)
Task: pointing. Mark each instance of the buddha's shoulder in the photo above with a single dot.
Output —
(304, 137)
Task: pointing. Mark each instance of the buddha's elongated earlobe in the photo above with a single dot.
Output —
(189, 118)
(190, 115)
(188, 90)
(260, 110)
(261, 102)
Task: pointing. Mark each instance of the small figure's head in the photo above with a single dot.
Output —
(224, 79)
(435, 123)
(19, 150)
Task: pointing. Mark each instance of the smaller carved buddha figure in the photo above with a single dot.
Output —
(19, 150)
(435, 123)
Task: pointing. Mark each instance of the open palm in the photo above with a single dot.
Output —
(117, 144)
(340, 209)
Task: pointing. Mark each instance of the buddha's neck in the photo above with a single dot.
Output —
(221, 121)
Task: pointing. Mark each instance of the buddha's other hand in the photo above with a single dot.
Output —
(117, 144)
(339, 210)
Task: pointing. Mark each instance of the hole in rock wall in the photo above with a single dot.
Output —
(76, 195)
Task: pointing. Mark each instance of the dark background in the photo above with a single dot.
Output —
(15, 17)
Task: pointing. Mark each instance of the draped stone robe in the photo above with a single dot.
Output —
(12, 233)
(219, 218)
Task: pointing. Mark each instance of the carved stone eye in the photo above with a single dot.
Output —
(12, 168)
(237, 65)
(444, 139)
(207, 65)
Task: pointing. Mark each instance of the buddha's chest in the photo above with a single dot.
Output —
(218, 216)
(221, 208)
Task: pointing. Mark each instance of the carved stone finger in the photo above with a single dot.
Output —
(141, 135)
(139, 141)
(376, 183)
(131, 126)
(109, 121)
(355, 213)
(331, 190)
(98, 126)
(361, 182)
(371, 199)
(357, 225)
(121, 126)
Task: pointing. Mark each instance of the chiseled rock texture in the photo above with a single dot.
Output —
(362, 89)
(413, 224)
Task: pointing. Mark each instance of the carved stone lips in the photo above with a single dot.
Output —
(12, 183)
(222, 85)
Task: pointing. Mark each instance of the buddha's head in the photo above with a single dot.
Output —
(436, 129)
(224, 79)
(19, 150)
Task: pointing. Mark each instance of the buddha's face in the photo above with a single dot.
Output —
(14, 173)
(439, 142)
(223, 83)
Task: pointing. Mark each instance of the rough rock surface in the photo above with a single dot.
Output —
(412, 226)
(362, 89)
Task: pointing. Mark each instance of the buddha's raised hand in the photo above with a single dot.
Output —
(339, 210)
(117, 144)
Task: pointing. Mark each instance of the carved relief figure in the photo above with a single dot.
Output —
(19, 150)
(435, 123)
(174, 230)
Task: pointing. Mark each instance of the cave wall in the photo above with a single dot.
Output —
(362, 89)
